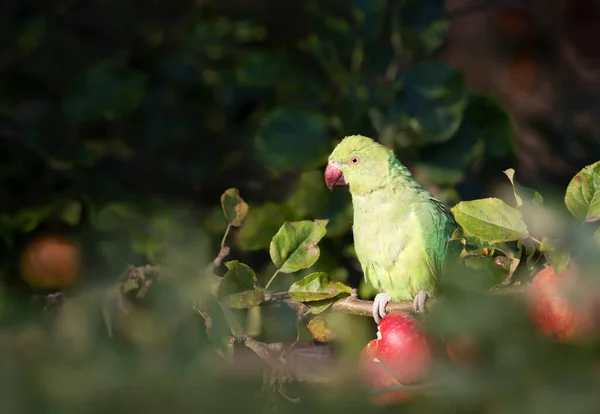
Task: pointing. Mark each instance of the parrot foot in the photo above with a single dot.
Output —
(419, 302)
(379, 303)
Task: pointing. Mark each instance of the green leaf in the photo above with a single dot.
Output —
(491, 220)
(294, 247)
(260, 67)
(215, 222)
(234, 207)
(147, 245)
(423, 26)
(435, 97)
(485, 129)
(304, 335)
(320, 306)
(248, 31)
(515, 259)
(340, 213)
(105, 91)
(130, 285)
(583, 194)
(483, 272)
(488, 121)
(317, 287)
(558, 256)
(310, 197)
(238, 287)
(437, 174)
(510, 173)
(253, 321)
(260, 226)
(218, 330)
(71, 212)
(290, 138)
(530, 250)
(536, 198)
(114, 217)
(370, 17)
(472, 245)
(28, 218)
(459, 153)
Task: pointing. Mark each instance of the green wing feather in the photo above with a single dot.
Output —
(407, 253)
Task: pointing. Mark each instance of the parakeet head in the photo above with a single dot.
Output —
(360, 163)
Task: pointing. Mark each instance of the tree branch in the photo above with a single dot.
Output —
(270, 353)
(355, 306)
(223, 253)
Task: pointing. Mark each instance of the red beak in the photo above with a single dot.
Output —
(334, 176)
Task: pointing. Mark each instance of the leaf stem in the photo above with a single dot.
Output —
(225, 235)
(271, 280)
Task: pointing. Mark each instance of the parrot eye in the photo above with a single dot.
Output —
(354, 160)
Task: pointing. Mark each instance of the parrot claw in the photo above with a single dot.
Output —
(379, 304)
(419, 302)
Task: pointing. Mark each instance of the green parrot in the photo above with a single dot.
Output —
(401, 231)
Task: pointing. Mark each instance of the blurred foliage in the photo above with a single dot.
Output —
(121, 125)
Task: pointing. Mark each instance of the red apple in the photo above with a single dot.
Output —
(402, 354)
(377, 377)
(51, 262)
(561, 306)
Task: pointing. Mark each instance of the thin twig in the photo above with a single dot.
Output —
(53, 299)
(225, 250)
(223, 253)
(270, 353)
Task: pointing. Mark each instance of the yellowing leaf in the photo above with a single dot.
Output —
(319, 330)
(491, 220)
(317, 287)
(583, 194)
(294, 247)
(510, 173)
(234, 207)
(238, 288)
(536, 198)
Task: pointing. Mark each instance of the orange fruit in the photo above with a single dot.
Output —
(51, 262)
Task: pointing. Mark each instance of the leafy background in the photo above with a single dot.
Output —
(122, 123)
